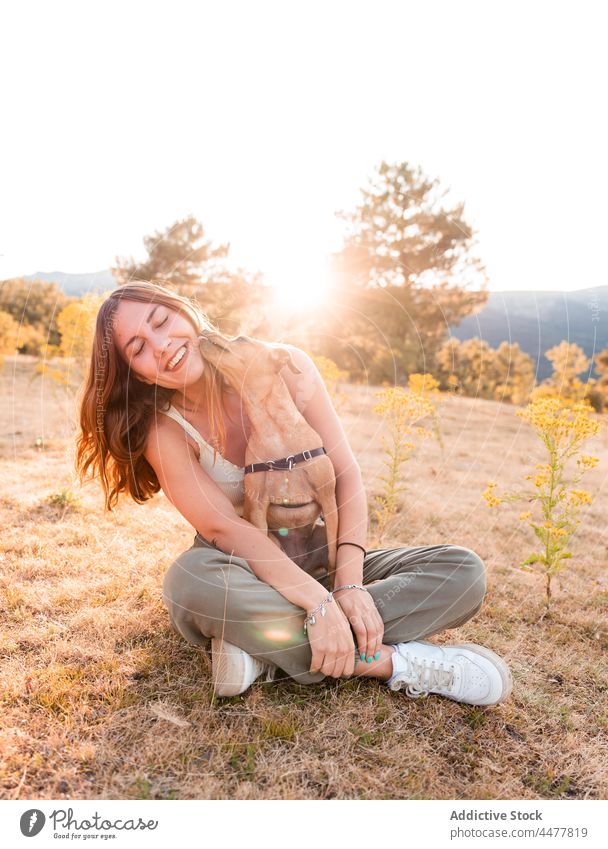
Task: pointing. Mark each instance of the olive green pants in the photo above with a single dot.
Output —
(418, 591)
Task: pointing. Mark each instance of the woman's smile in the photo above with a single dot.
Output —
(179, 357)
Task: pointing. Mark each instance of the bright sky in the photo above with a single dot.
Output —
(264, 118)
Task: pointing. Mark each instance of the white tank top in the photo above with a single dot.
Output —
(226, 475)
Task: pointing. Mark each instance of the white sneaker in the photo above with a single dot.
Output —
(233, 670)
(465, 672)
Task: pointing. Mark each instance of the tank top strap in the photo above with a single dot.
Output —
(192, 431)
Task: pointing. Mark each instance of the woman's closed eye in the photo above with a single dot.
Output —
(141, 347)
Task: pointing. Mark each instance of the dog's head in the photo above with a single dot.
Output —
(246, 362)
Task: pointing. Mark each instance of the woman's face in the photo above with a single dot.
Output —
(149, 336)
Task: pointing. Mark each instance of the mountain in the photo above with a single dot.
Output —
(77, 284)
(539, 320)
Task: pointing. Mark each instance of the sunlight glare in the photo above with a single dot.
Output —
(299, 288)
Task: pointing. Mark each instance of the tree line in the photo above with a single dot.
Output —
(406, 272)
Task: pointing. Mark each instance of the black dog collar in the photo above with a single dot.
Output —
(285, 463)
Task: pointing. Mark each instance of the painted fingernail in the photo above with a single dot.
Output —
(369, 659)
(361, 657)
(377, 656)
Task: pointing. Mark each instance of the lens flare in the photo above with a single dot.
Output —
(277, 635)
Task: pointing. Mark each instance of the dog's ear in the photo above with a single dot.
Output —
(216, 338)
(282, 357)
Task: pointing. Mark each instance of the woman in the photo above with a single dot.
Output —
(155, 414)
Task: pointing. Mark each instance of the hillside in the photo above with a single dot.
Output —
(539, 320)
(102, 699)
(76, 284)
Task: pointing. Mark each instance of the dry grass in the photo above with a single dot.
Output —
(102, 700)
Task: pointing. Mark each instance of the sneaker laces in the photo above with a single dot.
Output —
(265, 666)
(271, 671)
(424, 675)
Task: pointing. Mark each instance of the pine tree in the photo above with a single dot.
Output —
(402, 274)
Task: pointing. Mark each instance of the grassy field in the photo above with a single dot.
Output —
(101, 699)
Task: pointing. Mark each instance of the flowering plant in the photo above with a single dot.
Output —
(563, 426)
(402, 410)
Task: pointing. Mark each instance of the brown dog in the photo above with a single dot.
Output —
(284, 504)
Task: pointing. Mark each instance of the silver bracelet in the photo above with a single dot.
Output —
(320, 608)
(350, 587)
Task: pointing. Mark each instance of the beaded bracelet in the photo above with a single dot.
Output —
(352, 543)
(320, 608)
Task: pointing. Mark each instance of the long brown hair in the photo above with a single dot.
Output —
(117, 409)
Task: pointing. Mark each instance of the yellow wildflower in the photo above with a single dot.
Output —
(525, 516)
(423, 384)
(491, 499)
(587, 461)
(562, 422)
(580, 496)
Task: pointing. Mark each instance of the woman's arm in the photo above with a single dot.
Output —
(310, 395)
(202, 503)
(351, 499)
(269, 563)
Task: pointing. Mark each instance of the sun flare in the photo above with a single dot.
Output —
(301, 287)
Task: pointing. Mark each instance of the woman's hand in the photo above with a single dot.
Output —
(362, 613)
(331, 641)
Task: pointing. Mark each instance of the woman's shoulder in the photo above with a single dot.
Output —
(162, 435)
